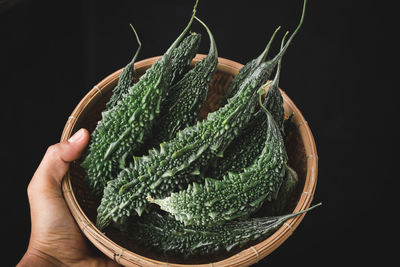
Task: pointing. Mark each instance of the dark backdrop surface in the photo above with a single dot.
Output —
(340, 71)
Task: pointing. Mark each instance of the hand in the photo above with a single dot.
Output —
(55, 237)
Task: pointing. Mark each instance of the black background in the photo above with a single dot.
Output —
(340, 71)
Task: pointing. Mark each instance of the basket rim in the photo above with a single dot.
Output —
(245, 257)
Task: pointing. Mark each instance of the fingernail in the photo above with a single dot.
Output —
(76, 137)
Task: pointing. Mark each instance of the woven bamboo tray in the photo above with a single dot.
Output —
(302, 158)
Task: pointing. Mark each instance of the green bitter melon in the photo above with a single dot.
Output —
(161, 232)
(251, 65)
(188, 96)
(280, 204)
(122, 129)
(178, 161)
(248, 145)
(126, 78)
(180, 61)
(237, 195)
(182, 57)
(246, 70)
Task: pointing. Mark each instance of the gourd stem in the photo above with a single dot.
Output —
(278, 70)
(306, 210)
(280, 54)
(140, 44)
(263, 55)
(261, 92)
(174, 44)
(212, 41)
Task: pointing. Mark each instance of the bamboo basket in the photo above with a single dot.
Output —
(302, 158)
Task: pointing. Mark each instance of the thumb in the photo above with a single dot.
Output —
(56, 161)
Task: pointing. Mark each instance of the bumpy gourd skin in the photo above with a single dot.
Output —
(163, 233)
(242, 152)
(247, 69)
(182, 56)
(126, 78)
(178, 162)
(237, 195)
(248, 144)
(187, 97)
(273, 100)
(121, 131)
(278, 206)
(244, 72)
(180, 61)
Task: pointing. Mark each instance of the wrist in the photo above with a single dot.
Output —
(35, 257)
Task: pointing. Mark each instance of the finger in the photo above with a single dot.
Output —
(77, 144)
(55, 162)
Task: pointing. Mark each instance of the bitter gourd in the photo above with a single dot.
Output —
(278, 206)
(247, 69)
(182, 56)
(188, 96)
(180, 60)
(126, 78)
(251, 65)
(248, 145)
(273, 100)
(237, 195)
(179, 160)
(122, 129)
(161, 232)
